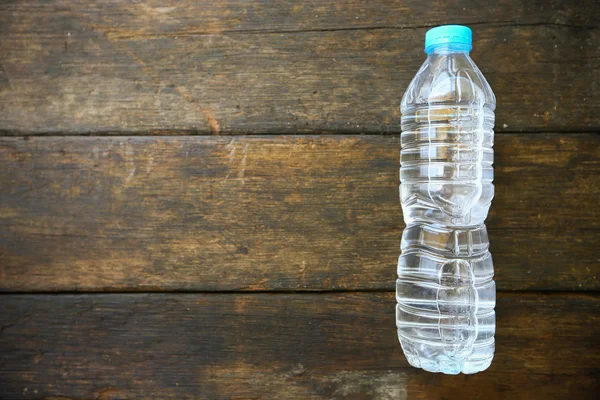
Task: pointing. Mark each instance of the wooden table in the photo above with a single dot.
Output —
(200, 199)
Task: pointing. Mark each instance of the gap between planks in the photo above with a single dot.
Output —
(308, 292)
(196, 133)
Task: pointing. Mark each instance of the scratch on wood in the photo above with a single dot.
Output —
(151, 162)
(242, 170)
(129, 162)
(131, 175)
(215, 126)
(230, 156)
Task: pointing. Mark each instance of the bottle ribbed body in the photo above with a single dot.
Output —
(445, 289)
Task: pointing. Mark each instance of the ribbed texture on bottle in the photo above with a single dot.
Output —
(445, 289)
(446, 298)
(446, 163)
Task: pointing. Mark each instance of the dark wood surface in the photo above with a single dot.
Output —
(279, 346)
(234, 67)
(273, 213)
(284, 245)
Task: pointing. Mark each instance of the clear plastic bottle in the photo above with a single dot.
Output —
(445, 292)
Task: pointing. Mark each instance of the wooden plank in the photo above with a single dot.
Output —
(155, 17)
(272, 213)
(258, 67)
(279, 346)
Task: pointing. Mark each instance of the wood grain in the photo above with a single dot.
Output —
(279, 346)
(272, 213)
(235, 67)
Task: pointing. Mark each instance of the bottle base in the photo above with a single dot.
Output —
(443, 363)
(450, 367)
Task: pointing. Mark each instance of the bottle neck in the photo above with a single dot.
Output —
(448, 48)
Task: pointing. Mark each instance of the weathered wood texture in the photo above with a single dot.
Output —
(281, 67)
(279, 346)
(272, 213)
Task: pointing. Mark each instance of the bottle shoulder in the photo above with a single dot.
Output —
(447, 79)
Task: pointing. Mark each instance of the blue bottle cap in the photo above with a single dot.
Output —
(448, 34)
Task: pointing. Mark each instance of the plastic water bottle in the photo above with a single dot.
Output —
(445, 292)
